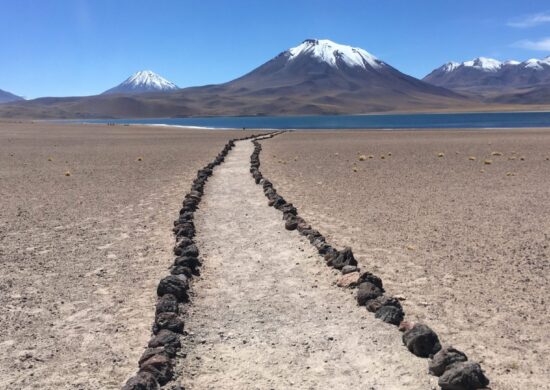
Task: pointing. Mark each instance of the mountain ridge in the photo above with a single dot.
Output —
(6, 97)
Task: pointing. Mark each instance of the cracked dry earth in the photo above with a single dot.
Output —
(266, 313)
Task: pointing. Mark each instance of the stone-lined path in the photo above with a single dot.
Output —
(266, 313)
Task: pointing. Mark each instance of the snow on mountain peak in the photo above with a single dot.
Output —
(450, 66)
(483, 63)
(150, 80)
(330, 52)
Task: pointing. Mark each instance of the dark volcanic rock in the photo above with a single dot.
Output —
(168, 320)
(291, 224)
(142, 381)
(149, 352)
(165, 338)
(185, 241)
(445, 358)
(160, 366)
(463, 376)
(187, 261)
(379, 302)
(168, 303)
(390, 314)
(421, 340)
(289, 208)
(342, 258)
(176, 285)
(182, 270)
(371, 278)
(189, 251)
(367, 291)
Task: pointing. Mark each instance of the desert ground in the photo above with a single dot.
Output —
(85, 236)
(81, 255)
(455, 222)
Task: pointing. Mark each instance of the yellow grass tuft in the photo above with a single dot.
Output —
(496, 154)
(354, 169)
(140, 158)
(512, 158)
(482, 170)
(383, 157)
(410, 247)
(50, 158)
(362, 157)
(67, 173)
(389, 154)
(440, 154)
(510, 174)
(488, 162)
(472, 158)
(371, 156)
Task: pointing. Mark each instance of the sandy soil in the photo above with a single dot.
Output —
(266, 313)
(466, 243)
(81, 255)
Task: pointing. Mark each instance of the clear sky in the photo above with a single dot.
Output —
(83, 47)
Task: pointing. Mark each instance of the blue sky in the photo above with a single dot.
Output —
(82, 47)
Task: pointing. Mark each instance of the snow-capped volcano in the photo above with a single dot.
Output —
(487, 72)
(143, 81)
(334, 54)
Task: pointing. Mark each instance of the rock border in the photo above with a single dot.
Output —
(156, 365)
(452, 366)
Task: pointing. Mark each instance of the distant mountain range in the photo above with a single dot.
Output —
(6, 97)
(315, 77)
(487, 73)
(141, 82)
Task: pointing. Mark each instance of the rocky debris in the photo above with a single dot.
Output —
(367, 291)
(142, 381)
(188, 251)
(349, 268)
(149, 352)
(341, 258)
(176, 285)
(291, 224)
(168, 320)
(165, 338)
(421, 341)
(375, 304)
(463, 376)
(182, 270)
(371, 278)
(187, 261)
(167, 303)
(444, 358)
(348, 280)
(160, 366)
(390, 314)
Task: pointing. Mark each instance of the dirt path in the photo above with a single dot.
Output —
(266, 313)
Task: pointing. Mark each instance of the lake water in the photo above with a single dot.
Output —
(400, 121)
